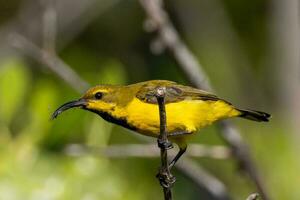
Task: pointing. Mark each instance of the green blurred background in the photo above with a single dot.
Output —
(249, 50)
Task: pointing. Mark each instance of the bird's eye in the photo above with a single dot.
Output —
(98, 95)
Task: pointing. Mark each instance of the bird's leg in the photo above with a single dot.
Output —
(178, 155)
(179, 133)
(164, 144)
(182, 149)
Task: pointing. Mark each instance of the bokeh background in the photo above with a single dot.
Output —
(249, 50)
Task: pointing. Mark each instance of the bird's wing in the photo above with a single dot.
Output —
(174, 93)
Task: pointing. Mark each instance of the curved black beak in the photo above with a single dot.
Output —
(72, 104)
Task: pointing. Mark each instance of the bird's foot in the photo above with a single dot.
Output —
(164, 144)
(165, 178)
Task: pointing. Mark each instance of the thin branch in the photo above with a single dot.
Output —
(164, 175)
(241, 151)
(147, 151)
(52, 62)
(186, 60)
(68, 26)
(168, 36)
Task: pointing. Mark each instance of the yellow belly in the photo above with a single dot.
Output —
(187, 115)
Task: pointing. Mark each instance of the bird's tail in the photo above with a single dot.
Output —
(254, 115)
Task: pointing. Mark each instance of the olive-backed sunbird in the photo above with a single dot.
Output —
(135, 107)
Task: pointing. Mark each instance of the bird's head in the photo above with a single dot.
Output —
(98, 99)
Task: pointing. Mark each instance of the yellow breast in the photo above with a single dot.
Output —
(187, 115)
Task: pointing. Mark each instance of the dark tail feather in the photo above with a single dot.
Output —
(255, 115)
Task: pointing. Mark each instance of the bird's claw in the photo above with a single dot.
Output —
(166, 179)
(164, 144)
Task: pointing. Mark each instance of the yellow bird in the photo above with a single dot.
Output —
(135, 107)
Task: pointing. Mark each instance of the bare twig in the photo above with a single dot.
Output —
(147, 151)
(69, 24)
(51, 61)
(168, 35)
(164, 175)
(169, 38)
(241, 152)
(47, 54)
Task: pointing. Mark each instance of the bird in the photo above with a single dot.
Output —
(135, 107)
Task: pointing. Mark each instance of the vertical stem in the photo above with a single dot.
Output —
(163, 125)
(165, 177)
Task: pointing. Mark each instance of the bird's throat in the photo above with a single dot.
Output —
(122, 121)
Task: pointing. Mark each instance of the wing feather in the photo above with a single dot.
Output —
(174, 93)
